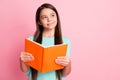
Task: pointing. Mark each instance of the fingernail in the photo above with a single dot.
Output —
(56, 60)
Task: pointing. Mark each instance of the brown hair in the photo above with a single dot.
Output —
(38, 35)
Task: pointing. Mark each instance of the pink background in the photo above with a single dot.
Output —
(93, 27)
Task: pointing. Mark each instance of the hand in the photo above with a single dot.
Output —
(26, 57)
(64, 61)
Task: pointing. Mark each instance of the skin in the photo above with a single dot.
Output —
(48, 19)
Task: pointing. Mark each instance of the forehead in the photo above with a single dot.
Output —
(47, 11)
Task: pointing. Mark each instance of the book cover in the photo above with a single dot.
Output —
(44, 56)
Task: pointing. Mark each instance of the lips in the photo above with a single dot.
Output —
(50, 23)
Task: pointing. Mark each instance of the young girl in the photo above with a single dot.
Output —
(48, 33)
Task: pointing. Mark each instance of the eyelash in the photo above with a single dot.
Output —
(44, 17)
(53, 15)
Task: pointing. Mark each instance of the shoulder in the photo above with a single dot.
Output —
(31, 37)
(66, 40)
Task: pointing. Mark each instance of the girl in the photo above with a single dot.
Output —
(48, 33)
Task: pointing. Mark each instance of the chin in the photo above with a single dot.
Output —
(51, 28)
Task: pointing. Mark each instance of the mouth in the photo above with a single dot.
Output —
(50, 23)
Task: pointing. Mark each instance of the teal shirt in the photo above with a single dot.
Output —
(48, 75)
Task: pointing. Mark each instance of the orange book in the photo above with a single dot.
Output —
(44, 56)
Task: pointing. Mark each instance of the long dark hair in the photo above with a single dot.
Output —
(38, 34)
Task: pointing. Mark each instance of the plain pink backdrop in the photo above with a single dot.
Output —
(93, 27)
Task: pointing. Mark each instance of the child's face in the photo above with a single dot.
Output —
(48, 18)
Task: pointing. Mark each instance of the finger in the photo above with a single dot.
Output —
(63, 62)
(61, 57)
(26, 53)
(27, 59)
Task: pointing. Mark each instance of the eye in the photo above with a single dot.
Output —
(53, 15)
(43, 17)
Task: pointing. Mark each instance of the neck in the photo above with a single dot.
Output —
(48, 33)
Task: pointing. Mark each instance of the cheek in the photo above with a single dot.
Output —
(55, 23)
(56, 19)
(43, 22)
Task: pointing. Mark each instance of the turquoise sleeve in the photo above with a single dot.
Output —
(31, 37)
(66, 40)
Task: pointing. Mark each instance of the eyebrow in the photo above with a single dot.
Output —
(50, 13)
(53, 13)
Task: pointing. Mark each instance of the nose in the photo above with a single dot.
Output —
(49, 19)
